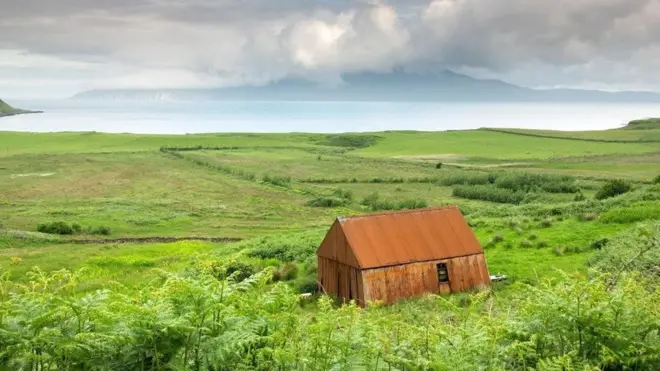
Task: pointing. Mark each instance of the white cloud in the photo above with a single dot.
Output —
(170, 43)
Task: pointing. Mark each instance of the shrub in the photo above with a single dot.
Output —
(282, 181)
(546, 223)
(528, 182)
(375, 203)
(558, 250)
(599, 244)
(632, 214)
(656, 180)
(307, 285)
(637, 249)
(525, 243)
(287, 248)
(588, 217)
(498, 238)
(466, 178)
(411, 204)
(59, 227)
(508, 245)
(102, 230)
(288, 272)
(613, 188)
(541, 244)
(349, 140)
(238, 270)
(533, 237)
(579, 196)
(326, 202)
(488, 193)
(343, 193)
(438, 165)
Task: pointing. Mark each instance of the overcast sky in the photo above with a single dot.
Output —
(54, 48)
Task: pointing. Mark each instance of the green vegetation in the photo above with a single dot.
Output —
(613, 188)
(489, 193)
(571, 219)
(7, 110)
(645, 124)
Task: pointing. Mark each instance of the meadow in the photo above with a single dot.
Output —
(163, 252)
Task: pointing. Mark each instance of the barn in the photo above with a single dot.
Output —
(397, 255)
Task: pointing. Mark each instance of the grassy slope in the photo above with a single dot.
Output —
(449, 146)
(7, 110)
(124, 182)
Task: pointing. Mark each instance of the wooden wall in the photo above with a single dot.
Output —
(340, 280)
(393, 283)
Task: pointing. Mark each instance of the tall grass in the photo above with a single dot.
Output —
(489, 193)
(632, 214)
(375, 203)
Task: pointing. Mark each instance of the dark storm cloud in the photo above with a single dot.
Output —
(538, 42)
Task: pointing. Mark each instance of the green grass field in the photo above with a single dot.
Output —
(536, 204)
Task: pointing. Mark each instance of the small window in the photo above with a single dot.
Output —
(443, 275)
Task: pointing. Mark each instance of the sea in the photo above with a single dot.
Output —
(174, 117)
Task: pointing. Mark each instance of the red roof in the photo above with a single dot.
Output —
(394, 238)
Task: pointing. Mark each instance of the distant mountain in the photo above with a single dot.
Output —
(7, 110)
(369, 86)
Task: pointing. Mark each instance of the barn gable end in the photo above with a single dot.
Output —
(335, 247)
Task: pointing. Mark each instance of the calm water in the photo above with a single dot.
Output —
(179, 117)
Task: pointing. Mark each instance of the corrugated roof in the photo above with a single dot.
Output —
(393, 238)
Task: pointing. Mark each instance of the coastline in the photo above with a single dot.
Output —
(18, 113)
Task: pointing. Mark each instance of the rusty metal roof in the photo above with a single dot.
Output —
(393, 238)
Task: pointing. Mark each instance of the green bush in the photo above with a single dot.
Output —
(636, 249)
(102, 230)
(343, 194)
(588, 217)
(375, 203)
(326, 202)
(546, 223)
(656, 180)
(240, 271)
(632, 214)
(287, 248)
(350, 140)
(288, 272)
(307, 285)
(541, 244)
(526, 244)
(278, 180)
(613, 188)
(466, 178)
(579, 196)
(529, 181)
(438, 165)
(488, 193)
(59, 227)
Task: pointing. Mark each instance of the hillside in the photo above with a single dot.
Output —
(7, 110)
(398, 85)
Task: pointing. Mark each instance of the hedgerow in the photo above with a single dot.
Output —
(488, 193)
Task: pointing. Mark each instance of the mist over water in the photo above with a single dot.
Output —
(326, 117)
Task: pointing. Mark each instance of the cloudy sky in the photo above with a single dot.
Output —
(56, 48)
